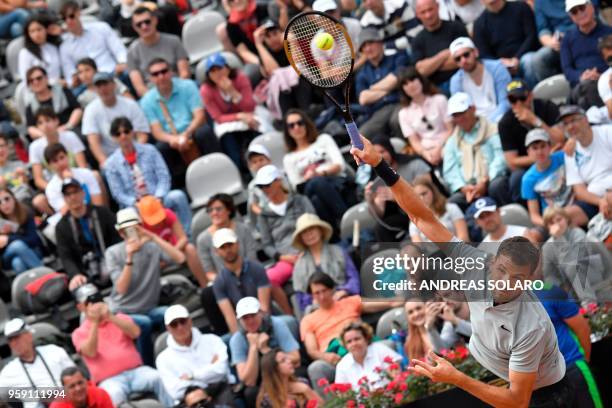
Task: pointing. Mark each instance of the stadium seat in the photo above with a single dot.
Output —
(19, 295)
(12, 57)
(232, 60)
(199, 36)
(211, 174)
(199, 222)
(389, 321)
(556, 89)
(4, 315)
(275, 144)
(182, 291)
(141, 403)
(515, 214)
(358, 212)
(367, 276)
(160, 343)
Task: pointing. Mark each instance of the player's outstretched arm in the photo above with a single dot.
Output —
(424, 219)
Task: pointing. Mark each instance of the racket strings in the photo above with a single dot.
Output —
(324, 68)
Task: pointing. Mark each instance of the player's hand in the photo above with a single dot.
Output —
(439, 370)
(368, 155)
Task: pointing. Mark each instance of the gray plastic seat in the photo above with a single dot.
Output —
(275, 144)
(515, 214)
(359, 212)
(367, 275)
(211, 174)
(18, 292)
(388, 321)
(199, 37)
(556, 89)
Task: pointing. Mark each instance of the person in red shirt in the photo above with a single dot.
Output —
(164, 223)
(81, 393)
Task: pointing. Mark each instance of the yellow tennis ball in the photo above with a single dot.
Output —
(324, 41)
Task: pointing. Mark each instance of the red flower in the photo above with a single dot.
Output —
(322, 382)
(362, 380)
(377, 370)
(312, 404)
(403, 387)
(451, 355)
(591, 307)
(361, 406)
(582, 311)
(394, 366)
(326, 390)
(463, 352)
(341, 388)
(398, 398)
(388, 360)
(350, 404)
(364, 392)
(391, 385)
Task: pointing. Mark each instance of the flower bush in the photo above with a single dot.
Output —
(397, 387)
(600, 320)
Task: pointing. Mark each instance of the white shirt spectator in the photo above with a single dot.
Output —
(56, 359)
(483, 95)
(98, 117)
(348, 371)
(195, 360)
(54, 187)
(511, 231)
(603, 86)
(99, 42)
(50, 62)
(69, 139)
(591, 165)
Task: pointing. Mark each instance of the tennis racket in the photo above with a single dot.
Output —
(324, 69)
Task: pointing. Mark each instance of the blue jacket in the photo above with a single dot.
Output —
(551, 16)
(501, 79)
(368, 75)
(579, 52)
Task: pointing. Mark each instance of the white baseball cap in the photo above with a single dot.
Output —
(459, 103)
(570, 4)
(175, 312)
(459, 43)
(246, 306)
(324, 5)
(267, 174)
(14, 327)
(224, 236)
(258, 149)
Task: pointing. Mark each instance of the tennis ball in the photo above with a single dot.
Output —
(324, 41)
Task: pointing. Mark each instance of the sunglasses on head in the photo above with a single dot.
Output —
(514, 99)
(145, 22)
(297, 123)
(459, 57)
(178, 322)
(578, 9)
(160, 72)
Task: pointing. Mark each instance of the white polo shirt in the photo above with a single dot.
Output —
(350, 371)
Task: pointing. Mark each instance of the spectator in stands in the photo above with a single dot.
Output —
(581, 62)
(276, 224)
(488, 218)
(527, 113)
(423, 118)
(430, 47)
(449, 214)
(222, 213)
(82, 235)
(443, 327)
(164, 223)
(589, 168)
(315, 167)
(105, 339)
(239, 277)
(176, 116)
(136, 170)
(86, 92)
(134, 268)
(600, 226)
(20, 244)
(311, 237)
(257, 156)
(363, 357)
(40, 49)
(228, 99)
(418, 343)
(513, 44)
(57, 158)
(393, 221)
(282, 11)
(604, 45)
(394, 20)
(279, 387)
(259, 333)
(552, 21)
(544, 184)
(473, 162)
(484, 80)
(193, 358)
(100, 113)
(196, 396)
(466, 11)
(33, 366)
(80, 392)
(47, 124)
(376, 85)
(153, 44)
(55, 97)
(13, 18)
(14, 174)
(352, 25)
(6, 119)
(321, 329)
(96, 40)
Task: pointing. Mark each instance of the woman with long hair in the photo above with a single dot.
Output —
(279, 386)
(449, 214)
(423, 118)
(40, 49)
(315, 167)
(20, 244)
(417, 343)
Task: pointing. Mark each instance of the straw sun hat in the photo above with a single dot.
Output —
(308, 221)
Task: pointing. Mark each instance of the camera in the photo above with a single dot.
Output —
(92, 265)
(94, 298)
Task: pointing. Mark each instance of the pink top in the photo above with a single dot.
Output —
(164, 231)
(434, 110)
(116, 350)
(219, 108)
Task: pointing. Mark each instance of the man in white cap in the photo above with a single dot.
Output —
(259, 334)
(395, 20)
(193, 358)
(32, 366)
(474, 164)
(134, 268)
(106, 342)
(484, 80)
(238, 278)
(257, 157)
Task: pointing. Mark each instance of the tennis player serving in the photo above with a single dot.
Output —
(512, 335)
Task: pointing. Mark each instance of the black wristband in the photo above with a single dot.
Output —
(386, 173)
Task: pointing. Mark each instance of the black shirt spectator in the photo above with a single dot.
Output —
(63, 116)
(229, 286)
(241, 33)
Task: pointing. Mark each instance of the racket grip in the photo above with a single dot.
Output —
(353, 132)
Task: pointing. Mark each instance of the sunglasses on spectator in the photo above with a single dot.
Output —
(160, 72)
(178, 322)
(122, 132)
(514, 99)
(215, 209)
(69, 16)
(299, 123)
(36, 79)
(577, 9)
(143, 23)
(459, 57)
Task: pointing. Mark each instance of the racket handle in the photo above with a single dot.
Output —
(353, 132)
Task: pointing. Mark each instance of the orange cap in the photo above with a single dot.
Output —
(151, 210)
